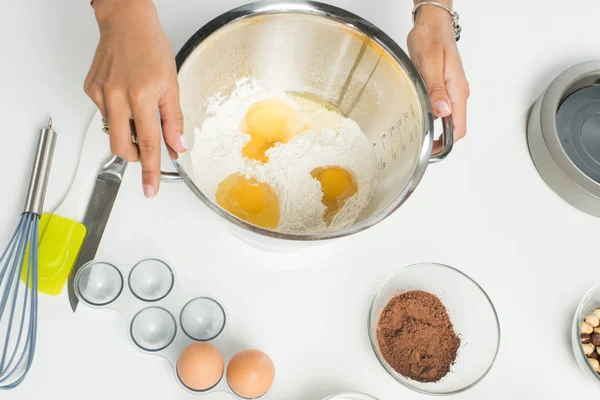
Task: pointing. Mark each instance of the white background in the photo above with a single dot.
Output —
(485, 210)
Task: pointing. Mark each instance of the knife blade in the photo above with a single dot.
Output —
(99, 208)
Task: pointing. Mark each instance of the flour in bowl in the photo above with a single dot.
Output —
(327, 141)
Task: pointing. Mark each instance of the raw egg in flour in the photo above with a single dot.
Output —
(338, 185)
(247, 198)
(200, 366)
(268, 122)
(250, 374)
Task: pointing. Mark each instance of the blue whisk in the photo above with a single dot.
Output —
(18, 301)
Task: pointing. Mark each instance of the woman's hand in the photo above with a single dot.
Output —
(432, 46)
(133, 77)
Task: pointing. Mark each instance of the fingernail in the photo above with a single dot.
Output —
(443, 108)
(149, 191)
(182, 142)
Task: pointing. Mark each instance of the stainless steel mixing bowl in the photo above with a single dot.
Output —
(324, 51)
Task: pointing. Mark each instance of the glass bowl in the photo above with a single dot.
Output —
(471, 312)
(588, 304)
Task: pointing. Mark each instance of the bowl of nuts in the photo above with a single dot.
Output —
(585, 337)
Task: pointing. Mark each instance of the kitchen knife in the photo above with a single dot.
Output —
(99, 208)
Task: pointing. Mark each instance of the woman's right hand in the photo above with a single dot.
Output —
(133, 77)
(433, 49)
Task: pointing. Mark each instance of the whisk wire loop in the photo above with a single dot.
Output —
(18, 308)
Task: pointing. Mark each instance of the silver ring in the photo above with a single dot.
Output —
(133, 135)
(104, 126)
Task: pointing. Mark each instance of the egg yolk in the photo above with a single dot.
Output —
(338, 185)
(247, 198)
(268, 122)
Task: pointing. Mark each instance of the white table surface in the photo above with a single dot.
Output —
(485, 210)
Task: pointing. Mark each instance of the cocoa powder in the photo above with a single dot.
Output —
(416, 337)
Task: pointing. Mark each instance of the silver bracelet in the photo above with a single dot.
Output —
(453, 14)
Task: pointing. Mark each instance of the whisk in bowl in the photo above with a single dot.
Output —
(18, 303)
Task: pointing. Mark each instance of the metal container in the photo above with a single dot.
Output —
(324, 51)
(563, 134)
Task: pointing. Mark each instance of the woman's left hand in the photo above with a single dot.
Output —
(133, 77)
(432, 47)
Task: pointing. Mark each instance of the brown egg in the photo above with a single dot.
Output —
(200, 366)
(250, 374)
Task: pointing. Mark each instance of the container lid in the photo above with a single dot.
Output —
(578, 127)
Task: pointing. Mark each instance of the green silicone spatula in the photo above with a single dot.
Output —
(62, 233)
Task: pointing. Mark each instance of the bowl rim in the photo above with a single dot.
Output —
(577, 329)
(373, 340)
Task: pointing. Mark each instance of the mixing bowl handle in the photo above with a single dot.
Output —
(170, 177)
(447, 141)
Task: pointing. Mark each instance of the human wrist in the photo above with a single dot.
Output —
(430, 14)
(447, 3)
(105, 10)
(434, 19)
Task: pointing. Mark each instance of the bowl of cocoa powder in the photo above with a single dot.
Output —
(434, 329)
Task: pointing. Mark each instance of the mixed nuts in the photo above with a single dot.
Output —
(590, 338)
